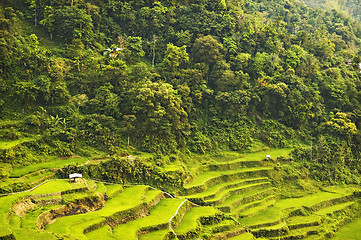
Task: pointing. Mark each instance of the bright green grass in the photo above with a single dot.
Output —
(160, 214)
(171, 167)
(308, 200)
(15, 221)
(68, 198)
(5, 205)
(224, 225)
(229, 157)
(101, 188)
(350, 231)
(30, 179)
(56, 186)
(303, 220)
(129, 198)
(270, 215)
(257, 209)
(341, 190)
(223, 195)
(333, 208)
(253, 156)
(5, 229)
(275, 153)
(244, 236)
(29, 220)
(276, 213)
(103, 233)
(214, 189)
(300, 233)
(150, 196)
(259, 156)
(189, 221)
(28, 234)
(267, 201)
(203, 177)
(91, 185)
(113, 189)
(10, 144)
(7, 202)
(159, 234)
(276, 226)
(235, 197)
(57, 163)
(35, 177)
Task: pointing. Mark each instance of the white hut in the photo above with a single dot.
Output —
(74, 176)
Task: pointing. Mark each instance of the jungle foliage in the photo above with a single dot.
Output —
(169, 76)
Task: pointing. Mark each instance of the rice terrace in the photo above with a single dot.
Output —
(238, 196)
(180, 119)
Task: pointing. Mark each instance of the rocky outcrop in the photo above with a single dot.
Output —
(80, 206)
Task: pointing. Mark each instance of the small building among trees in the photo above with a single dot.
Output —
(74, 176)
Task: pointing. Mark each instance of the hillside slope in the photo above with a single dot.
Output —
(158, 93)
(349, 7)
(235, 198)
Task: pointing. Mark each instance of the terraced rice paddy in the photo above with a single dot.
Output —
(350, 231)
(10, 144)
(233, 199)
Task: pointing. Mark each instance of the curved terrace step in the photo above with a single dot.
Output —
(263, 218)
(132, 202)
(303, 221)
(299, 227)
(236, 231)
(242, 201)
(243, 236)
(212, 191)
(158, 234)
(312, 202)
(207, 179)
(193, 221)
(157, 219)
(256, 210)
(222, 227)
(300, 233)
(331, 202)
(271, 231)
(243, 207)
(243, 189)
(238, 163)
(334, 208)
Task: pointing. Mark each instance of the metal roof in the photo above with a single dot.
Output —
(74, 175)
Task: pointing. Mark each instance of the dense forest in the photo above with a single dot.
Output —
(181, 76)
(347, 7)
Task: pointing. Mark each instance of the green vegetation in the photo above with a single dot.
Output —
(56, 186)
(90, 209)
(245, 236)
(10, 144)
(57, 163)
(350, 231)
(101, 233)
(191, 220)
(348, 7)
(160, 234)
(186, 97)
(129, 198)
(158, 218)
